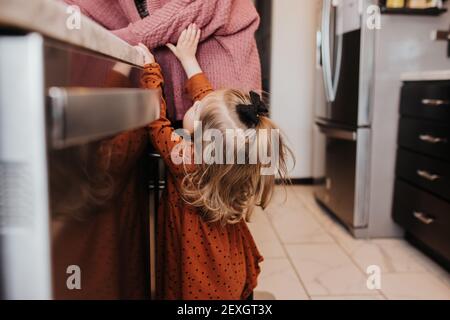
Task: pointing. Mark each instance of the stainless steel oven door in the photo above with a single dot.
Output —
(69, 228)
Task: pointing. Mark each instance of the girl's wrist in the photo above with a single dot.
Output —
(191, 67)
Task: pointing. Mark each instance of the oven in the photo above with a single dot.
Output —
(79, 184)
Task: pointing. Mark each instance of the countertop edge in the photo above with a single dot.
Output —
(437, 75)
(49, 17)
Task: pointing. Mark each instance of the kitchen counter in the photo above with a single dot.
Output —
(49, 18)
(437, 75)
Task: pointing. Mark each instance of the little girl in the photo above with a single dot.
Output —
(205, 249)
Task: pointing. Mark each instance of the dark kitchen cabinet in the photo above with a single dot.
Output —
(422, 187)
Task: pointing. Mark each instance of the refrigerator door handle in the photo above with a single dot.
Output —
(319, 49)
(330, 82)
(337, 71)
(326, 54)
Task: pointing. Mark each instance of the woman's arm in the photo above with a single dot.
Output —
(165, 24)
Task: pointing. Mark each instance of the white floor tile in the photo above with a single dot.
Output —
(326, 270)
(295, 224)
(392, 255)
(264, 235)
(263, 295)
(330, 262)
(408, 258)
(279, 279)
(298, 227)
(413, 286)
(281, 199)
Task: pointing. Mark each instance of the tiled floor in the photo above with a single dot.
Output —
(309, 256)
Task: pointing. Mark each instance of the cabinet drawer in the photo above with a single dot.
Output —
(430, 100)
(424, 216)
(426, 172)
(427, 137)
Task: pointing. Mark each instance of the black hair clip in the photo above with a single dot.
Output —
(249, 113)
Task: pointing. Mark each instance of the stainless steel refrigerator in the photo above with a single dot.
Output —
(344, 53)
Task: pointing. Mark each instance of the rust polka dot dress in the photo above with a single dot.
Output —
(195, 259)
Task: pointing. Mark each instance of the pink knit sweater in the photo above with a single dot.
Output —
(227, 53)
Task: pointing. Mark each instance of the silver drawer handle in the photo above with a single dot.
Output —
(426, 175)
(422, 217)
(431, 139)
(435, 102)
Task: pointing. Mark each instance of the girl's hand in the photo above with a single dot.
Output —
(186, 49)
(147, 56)
(187, 43)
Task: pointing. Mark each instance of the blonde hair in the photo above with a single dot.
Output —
(228, 193)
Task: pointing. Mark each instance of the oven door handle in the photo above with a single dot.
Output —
(83, 115)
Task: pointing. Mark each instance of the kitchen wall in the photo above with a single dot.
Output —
(292, 77)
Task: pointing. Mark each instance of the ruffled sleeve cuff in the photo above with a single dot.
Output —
(152, 77)
(198, 86)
